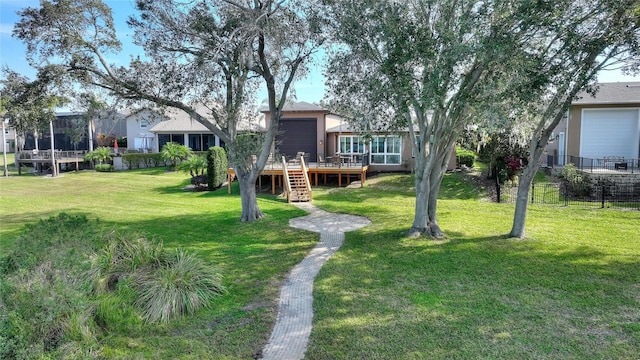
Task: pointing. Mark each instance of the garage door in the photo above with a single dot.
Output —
(607, 132)
(297, 135)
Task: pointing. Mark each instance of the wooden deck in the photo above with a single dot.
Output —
(43, 157)
(315, 172)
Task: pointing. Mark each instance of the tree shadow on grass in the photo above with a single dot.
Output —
(475, 297)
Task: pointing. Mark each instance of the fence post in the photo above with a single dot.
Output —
(602, 189)
(498, 188)
(533, 191)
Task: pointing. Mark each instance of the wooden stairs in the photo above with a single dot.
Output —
(296, 182)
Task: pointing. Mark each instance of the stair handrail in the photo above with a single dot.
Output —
(285, 175)
(307, 183)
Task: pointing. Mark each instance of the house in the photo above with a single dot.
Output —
(304, 127)
(312, 129)
(139, 124)
(602, 126)
(9, 138)
(151, 130)
(71, 131)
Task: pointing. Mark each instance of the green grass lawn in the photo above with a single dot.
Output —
(570, 290)
(254, 258)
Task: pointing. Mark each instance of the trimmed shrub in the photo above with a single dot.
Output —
(138, 160)
(104, 167)
(217, 166)
(465, 157)
(575, 182)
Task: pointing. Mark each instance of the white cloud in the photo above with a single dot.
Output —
(6, 29)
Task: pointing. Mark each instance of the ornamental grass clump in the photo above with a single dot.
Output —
(166, 284)
(180, 285)
(69, 284)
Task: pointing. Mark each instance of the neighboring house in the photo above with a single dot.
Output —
(139, 124)
(69, 123)
(9, 139)
(607, 125)
(314, 130)
(180, 128)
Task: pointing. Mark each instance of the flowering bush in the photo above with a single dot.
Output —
(514, 164)
(510, 167)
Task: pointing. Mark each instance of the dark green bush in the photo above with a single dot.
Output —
(104, 167)
(465, 157)
(217, 166)
(575, 182)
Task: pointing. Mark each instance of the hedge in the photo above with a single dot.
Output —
(138, 160)
(217, 165)
(465, 157)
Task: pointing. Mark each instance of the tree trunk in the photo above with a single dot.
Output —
(248, 198)
(524, 185)
(428, 180)
(522, 200)
(420, 224)
(436, 181)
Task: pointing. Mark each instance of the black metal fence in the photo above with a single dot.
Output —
(597, 196)
(611, 164)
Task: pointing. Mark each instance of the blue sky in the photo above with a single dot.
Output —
(12, 51)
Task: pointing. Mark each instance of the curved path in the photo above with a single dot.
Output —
(295, 309)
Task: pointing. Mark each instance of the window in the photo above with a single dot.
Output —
(201, 142)
(386, 150)
(195, 142)
(351, 144)
(165, 138)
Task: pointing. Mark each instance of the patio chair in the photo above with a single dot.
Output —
(336, 160)
(322, 160)
(296, 160)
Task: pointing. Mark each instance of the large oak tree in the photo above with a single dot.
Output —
(206, 58)
(421, 66)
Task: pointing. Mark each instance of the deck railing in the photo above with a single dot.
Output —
(46, 154)
(613, 164)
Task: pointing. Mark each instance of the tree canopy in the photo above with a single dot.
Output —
(421, 66)
(29, 104)
(577, 40)
(206, 58)
(432, 67)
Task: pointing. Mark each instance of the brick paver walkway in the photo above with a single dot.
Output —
(295, 309)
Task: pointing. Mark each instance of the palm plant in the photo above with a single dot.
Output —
(175, 153)
(194, 165)
(100, 154)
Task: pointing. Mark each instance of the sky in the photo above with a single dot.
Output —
(13, 52)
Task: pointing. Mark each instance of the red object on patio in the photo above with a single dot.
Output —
(115, 145)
